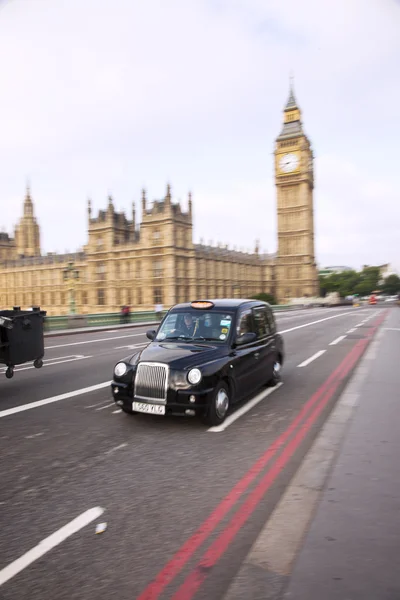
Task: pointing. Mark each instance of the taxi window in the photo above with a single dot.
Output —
(261, 320)
(170, 322)
(271, 319)
(245, 324)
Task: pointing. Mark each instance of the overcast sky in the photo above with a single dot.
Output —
(109, 96)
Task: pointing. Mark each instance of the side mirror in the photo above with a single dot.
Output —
(151, 334)
(246, 338)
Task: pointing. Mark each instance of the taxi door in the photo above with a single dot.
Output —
(245, 363)
(266, 352)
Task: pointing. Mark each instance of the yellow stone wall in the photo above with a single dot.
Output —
(123, 263)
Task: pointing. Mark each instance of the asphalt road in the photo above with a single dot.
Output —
(183, 504)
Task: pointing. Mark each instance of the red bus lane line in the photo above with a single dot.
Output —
(212, 555)
(182, 556)
(220, 545)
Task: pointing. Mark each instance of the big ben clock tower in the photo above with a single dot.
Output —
(296, 270)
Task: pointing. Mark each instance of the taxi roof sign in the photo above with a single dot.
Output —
(202, 304)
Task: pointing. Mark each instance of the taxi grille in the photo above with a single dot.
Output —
(151, 382)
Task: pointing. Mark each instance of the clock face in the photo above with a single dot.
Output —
(288, 163)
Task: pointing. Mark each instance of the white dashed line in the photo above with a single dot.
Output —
(34, 435)
(97, 404)
(313, 357)
(31, 405)
(114, 412)
(351, 330)
(244, 409)
(51, 361)
(112, 450)
(339, 339)
(49, 543)
(315, 322)
(118, 337)
(106, 406)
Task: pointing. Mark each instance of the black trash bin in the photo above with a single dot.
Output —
(21, 338)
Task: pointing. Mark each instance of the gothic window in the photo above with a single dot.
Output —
(157, 297)
(157, 268)
(101, 297)
(101, 271)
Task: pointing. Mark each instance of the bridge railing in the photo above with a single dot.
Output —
(66, 322)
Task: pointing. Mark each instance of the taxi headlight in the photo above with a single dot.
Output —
(194, 376)
(120, 369)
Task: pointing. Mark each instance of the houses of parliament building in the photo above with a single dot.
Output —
(158, 262)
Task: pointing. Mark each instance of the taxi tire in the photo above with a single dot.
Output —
(276, 375)
(128, 411)
(211, 417)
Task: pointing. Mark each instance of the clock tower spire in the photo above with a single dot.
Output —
(296, 272)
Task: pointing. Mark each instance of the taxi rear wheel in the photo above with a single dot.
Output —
(219, 405)
(276, 373)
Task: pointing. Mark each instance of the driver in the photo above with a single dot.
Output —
(188, 324)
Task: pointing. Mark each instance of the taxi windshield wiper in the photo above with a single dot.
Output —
(205, 339)
(176, 337)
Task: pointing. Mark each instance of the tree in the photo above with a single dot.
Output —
(264, 297)
(351, 282)
(391, 285)
(369, 281)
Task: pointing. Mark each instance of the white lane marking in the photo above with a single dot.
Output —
(49, 543)
(131, 347)
(391, 329)
(114, 412)
(112, 450)
(313, 357)
(106, 406)
(117, 337)
(97, 404)
(339, 339)
(23, 407)
(315, 322)
(244, 409)
(46, 363)
(34, 435)
(351, 330)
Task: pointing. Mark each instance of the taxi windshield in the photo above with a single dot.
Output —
(195, 325)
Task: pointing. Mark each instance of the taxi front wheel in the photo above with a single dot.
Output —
(219, 405)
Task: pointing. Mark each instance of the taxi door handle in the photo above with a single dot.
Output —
(256, 355)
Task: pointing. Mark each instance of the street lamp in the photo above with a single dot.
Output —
(71, 275)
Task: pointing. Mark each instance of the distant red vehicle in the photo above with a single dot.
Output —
(372, 299)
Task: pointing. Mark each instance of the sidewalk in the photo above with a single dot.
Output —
(335, 533)
(352, 549)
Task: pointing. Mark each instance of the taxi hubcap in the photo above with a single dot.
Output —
(277, 367)
(222, 403)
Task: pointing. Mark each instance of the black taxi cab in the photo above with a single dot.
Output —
(204, 357)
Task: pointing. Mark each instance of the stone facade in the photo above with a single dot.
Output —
(157, 262)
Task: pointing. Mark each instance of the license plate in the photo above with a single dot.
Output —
(154, 409)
